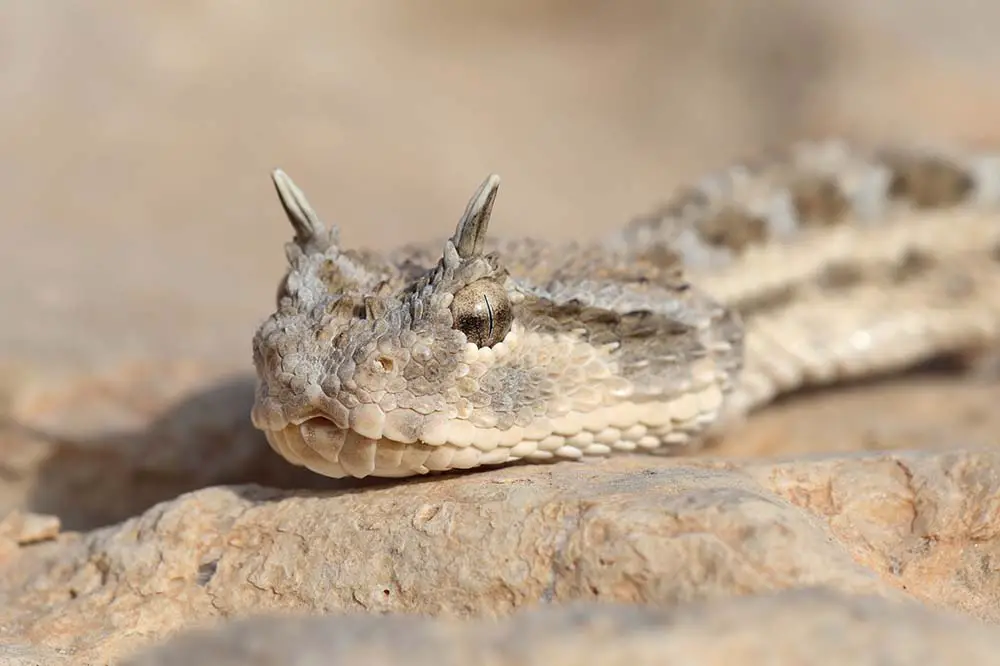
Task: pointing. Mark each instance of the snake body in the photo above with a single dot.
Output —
(822, 263)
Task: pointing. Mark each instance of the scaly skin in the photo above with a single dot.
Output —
(822, 264)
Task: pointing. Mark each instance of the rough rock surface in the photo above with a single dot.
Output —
(817, 627)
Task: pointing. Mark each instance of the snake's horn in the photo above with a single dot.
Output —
(470, 235)
(309, 229)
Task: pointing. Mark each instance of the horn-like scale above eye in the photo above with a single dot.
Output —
(482, 310)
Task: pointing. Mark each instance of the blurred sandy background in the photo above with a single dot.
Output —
(136, 138)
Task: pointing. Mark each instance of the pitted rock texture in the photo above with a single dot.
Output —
(663, 532)
(816, 627)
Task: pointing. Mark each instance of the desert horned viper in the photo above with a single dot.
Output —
(823, 263)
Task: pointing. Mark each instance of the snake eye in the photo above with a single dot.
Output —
(483, 312)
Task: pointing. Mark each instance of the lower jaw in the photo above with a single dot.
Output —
(327, 450)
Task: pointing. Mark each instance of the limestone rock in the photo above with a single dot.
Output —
(662, 532)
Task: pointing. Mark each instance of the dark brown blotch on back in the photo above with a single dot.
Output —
(597, 325)
(771, 299)
(661, 256)
(913, 265)
(732, 228)
(658, 264)
(819, 201)
(928, 182)
(840, 276)
(847, 275)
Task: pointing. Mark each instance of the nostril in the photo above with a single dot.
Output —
(386, 363)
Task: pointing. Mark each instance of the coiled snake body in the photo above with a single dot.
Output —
(821, 264)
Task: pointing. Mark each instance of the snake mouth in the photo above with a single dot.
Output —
(324, 448)
(314, 441)
(309, 438)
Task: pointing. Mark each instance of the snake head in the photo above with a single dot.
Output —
(363, 362)
(396, 368)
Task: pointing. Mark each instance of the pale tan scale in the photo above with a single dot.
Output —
(402, 425)
(463, 409)
(325, 468)
(496, 457)
(588, 395)
(597, 420)
(389, 403)
(684, 408)
(484, 419)
(648, 442)
(618, 388)
(485, 438)
(676, 437)
(710, 400)
(608, 436)
(568, 425)
(635, 432)
(357, 457)
(440, 458)
(524, 448)
(414, 457)
(291, 443)
(538, 429)
(625, 415)
(325, 440)
(510, 437)
(597, 369)
(704, 372)
(551, 443)
(466, 458)
(526, 418)
(569, 452)
(368, 420)
(388, 455)
(296, 445)
(540, 455)
(623, 445)
(560, 407)
(827, 262)
(581, 440)
(655, 415)
(461, 433)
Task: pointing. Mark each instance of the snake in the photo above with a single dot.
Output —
(818, 263)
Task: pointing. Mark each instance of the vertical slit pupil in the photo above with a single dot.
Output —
(489, 311)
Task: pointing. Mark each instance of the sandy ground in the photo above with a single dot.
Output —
(136, 139)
